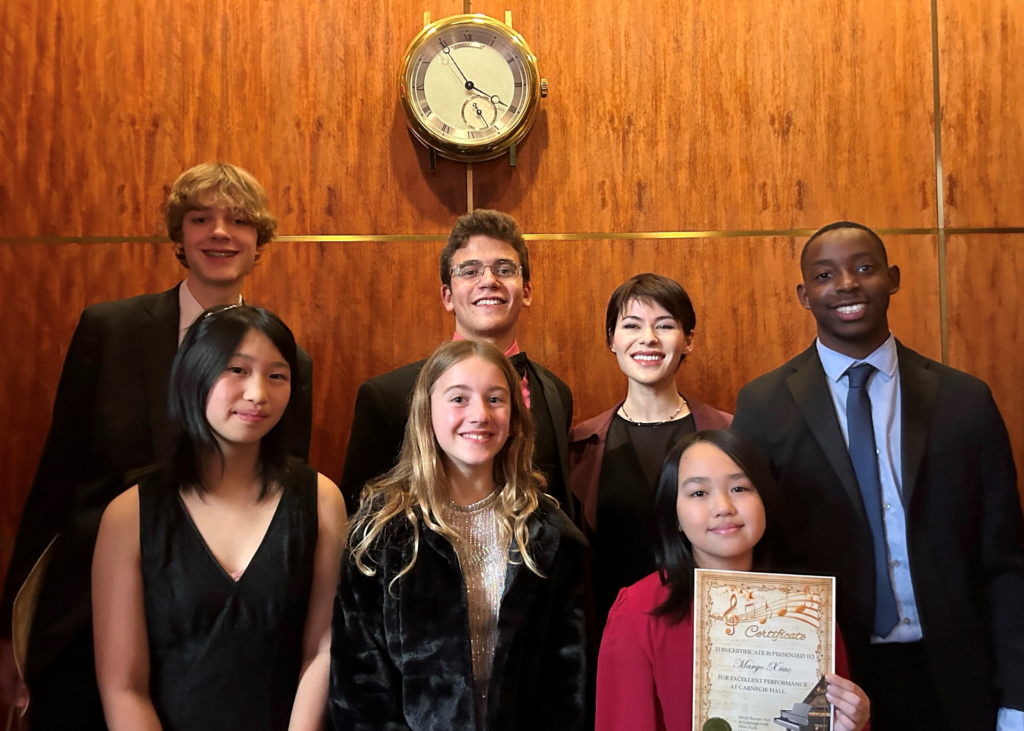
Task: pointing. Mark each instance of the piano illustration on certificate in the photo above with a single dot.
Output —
(814, 714)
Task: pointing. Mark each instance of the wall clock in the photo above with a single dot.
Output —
(470, 87)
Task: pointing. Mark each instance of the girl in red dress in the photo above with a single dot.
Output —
(709, 512)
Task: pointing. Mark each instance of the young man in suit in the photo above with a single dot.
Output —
(110, 420)
(900, 482)
(485, 281)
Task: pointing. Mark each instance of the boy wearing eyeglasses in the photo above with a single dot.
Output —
(485, 282)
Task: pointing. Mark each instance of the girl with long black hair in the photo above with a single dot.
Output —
(713, 509)
(213, 578)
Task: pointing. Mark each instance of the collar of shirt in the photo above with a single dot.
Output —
(836, 364)
(513, 349)
(189, 309)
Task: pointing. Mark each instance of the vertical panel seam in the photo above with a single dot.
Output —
(939, 195)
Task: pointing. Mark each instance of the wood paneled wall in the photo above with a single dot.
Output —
(712, 115)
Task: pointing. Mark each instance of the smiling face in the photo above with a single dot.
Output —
(251, 394)
(487, 309)
(219, 244)
(847, 285)
(718, 509)
(649, 343)
(470, 408)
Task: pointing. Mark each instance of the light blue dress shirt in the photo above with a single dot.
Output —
(884, 392)
(886, 414)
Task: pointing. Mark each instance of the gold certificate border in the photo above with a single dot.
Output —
(706, 580)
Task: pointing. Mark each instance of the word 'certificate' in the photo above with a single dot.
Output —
(762, 644)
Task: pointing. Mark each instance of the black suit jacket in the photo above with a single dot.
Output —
(963, 517)
(382, 409)
(109, 421)
(400, 650)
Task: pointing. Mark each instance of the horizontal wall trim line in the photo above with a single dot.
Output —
(588, 236)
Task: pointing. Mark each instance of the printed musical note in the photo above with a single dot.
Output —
(803, 607)
(731, 620)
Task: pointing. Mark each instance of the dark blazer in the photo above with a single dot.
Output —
(965, 533)
(400, 653)
(109, 421)
(586, 453)
(382, 409)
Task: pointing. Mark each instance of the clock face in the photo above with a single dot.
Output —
(470, 85)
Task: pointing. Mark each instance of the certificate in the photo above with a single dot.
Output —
(762, 644)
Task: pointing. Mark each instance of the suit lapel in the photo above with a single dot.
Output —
(158, 341)
(810, 390)
(920, 390)
(557, 414)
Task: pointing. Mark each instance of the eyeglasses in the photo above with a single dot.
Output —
(473, 271)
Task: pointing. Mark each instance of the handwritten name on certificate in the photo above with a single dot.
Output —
(761, 647)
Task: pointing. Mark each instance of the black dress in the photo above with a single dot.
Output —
(633, 457)
(226, 654)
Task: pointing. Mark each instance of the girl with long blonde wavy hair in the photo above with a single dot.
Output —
(460, 604)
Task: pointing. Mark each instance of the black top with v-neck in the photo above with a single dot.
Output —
(633, 458)
(226, 654)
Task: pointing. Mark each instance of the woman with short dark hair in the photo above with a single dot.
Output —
(615, 457)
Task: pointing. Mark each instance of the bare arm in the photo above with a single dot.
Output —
(119, 619)
(311, 696)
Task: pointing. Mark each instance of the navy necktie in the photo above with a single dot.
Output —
(864, 455)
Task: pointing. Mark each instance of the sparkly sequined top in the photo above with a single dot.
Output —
(484, 560)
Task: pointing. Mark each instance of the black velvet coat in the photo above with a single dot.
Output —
(400, 659)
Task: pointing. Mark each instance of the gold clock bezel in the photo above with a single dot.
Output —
(488, 149)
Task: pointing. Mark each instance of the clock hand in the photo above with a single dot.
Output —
(469, 84)
(480, 113)
(494, 99)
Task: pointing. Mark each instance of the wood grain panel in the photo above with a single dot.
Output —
(46, 288)
(986, 321)
(722, 115)
(982, 83)
(117, 97)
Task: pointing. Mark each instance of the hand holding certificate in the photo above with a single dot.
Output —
(762, 646)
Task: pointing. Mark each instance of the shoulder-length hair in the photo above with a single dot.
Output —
(417, 487)
(209, 345)
(673, 553)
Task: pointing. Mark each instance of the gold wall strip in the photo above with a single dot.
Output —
(939, 195)
(588, 236)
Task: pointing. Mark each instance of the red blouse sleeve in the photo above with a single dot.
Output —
(626, 696)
